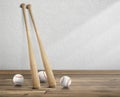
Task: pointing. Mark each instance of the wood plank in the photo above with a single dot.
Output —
(23, 92)
(83, 85)
(62, 72)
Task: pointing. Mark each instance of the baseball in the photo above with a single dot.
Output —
(18, 79)
(42, 76)
(65, 81)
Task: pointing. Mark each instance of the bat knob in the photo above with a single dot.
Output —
(22, 5)
(28, 6)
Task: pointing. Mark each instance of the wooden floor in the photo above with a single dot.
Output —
(83, 85)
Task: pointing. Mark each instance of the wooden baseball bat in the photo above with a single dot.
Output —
(33, 65)
(49, 72)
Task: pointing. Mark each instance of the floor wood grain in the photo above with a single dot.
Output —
(83, 85)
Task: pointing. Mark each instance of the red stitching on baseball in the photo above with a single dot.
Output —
(19, 76)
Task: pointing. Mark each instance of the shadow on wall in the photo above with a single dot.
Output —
(94, 45)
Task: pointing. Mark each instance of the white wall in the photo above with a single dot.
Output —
(77, 34)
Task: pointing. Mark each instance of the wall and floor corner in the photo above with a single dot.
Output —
(77, 34)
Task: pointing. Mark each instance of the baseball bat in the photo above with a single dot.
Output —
(33, 65)
(48, 69)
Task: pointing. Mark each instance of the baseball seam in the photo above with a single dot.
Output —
(62, 81)
(68, 82)
(44, 75)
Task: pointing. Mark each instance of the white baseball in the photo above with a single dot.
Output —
(18, 79)
(65, 81)
(42, 76)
